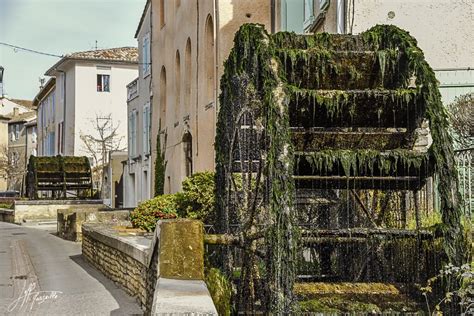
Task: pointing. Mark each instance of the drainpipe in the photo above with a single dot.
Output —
(197, 80)
(273, 16)
(216, 74)
(63, 131)
(341, 16)
(26, 161)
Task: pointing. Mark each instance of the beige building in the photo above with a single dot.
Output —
(86, 86)
(8, 109)
(443, 29)
(137, 179)
(190, 42)
(112, 189)
(22, 143)
(4, 166)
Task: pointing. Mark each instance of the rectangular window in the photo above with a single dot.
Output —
(34, 135)
(17, 131)
(60, 138)
(146, 128)
(103, 83)
(51, 144)
(146, 64)
(132, 125)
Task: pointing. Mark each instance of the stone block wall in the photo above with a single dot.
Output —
(165, 273)
(127, 266)
(117, 266)
(46, 210)
(7, 215)
(70, 220)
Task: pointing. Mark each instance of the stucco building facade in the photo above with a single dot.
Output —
(137, 170)
(22, 143)
(8, 109)
(190, 42)
(86, 85)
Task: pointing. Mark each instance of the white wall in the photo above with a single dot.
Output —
(444, 29)
(89, 103)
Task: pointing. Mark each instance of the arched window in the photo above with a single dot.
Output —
(163, 98)
(210, 58)
(162, 13)
(187, 76)
(177, 103)
(188, 154)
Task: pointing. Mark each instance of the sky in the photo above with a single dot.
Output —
(59, 27)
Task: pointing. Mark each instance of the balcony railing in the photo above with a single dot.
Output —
(465, 166)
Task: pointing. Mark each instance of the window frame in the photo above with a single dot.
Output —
(146, 55)
(103, 84)
(146, 140)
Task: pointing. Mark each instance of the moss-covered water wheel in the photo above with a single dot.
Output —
(59, 176)
(307, 118)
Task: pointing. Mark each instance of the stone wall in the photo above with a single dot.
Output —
(6, 215)
(46, 210)
(119, 267)
(135, 262)
(70, 220)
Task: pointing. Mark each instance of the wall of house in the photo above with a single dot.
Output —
(65, 93)
(3, 152)
(442, 28)
(7, 106)
(17, 159)
(32, 141)
(210, 32)
(137, 179)
(88, 103)
(46, 121)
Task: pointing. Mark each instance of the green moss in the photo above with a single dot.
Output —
(221, 291)
(259, 80)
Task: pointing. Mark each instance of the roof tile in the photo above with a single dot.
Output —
(129, 54)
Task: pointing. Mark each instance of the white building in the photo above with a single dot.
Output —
(85, 85)
(137, 177)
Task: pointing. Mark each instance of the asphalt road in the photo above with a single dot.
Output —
(41, 274)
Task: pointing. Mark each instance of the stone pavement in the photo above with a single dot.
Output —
(41, 274)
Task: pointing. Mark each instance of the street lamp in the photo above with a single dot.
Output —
(1, 81)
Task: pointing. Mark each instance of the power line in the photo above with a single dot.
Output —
(29, 50)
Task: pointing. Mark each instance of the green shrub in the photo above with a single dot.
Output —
(160, 167)
(220, 290)
(147, 213)
(197, 200)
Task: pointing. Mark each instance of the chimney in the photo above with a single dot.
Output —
(16, 111)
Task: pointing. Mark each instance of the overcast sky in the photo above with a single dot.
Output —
(59, 27)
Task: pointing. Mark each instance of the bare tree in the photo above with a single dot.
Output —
(104, 140)
(12, 167)
(461, 114)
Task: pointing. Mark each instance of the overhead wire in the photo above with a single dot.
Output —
(30, 50)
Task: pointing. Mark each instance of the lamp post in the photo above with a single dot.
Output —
(1, 81)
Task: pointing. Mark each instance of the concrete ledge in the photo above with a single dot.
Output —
(58, 202)
(176, 297)
(33, 210)
(136, 247)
